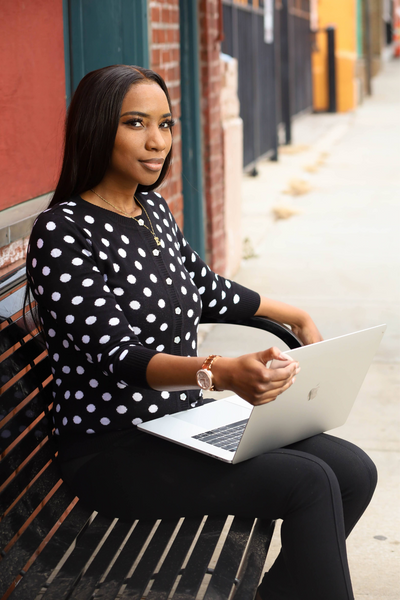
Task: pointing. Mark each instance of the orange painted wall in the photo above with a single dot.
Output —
(32, 97)
(342, 14)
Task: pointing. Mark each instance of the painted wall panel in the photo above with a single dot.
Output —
(32, 98)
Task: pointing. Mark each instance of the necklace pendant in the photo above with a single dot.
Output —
(157, 240)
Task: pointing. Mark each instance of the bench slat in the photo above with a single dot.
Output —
(137, 584)
(116, 577)
(54, 551)
(19, 359)
(170, 568)
(200, 558)
(21, 389)
(18, 484)
(229, 560)
(28, 442)
(90, 580)
(30, 540)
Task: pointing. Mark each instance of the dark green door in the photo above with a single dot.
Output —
(99, 33)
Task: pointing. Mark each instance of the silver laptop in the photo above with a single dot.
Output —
(321, 398)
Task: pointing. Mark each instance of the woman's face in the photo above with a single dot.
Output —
(143, 138)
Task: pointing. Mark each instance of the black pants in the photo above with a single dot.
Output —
(319, 487)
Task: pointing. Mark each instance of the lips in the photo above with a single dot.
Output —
(153, 164)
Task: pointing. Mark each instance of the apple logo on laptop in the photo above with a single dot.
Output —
(312, 393)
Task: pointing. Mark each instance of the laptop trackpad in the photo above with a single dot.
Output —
(215, 414)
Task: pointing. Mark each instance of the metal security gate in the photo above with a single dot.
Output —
(294, 47)
(275, 81)
(244, 40)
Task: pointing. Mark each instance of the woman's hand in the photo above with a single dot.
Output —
(252, 377)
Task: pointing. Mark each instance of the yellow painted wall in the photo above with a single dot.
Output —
(342, 14)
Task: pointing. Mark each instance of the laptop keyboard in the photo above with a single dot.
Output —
(226, 437)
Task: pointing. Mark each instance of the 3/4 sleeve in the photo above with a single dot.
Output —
(76, 305)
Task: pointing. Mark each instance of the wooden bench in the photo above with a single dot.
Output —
(53, 548)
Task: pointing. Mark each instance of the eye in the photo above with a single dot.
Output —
(134, 123)
(167, 124)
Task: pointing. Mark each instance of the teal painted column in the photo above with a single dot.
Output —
(360, 50)
(192, 162)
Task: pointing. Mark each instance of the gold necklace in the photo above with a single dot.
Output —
(139, 221)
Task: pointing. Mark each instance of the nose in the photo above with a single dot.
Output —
(155, 139)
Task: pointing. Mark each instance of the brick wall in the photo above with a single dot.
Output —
(165, 60)
(210, 75)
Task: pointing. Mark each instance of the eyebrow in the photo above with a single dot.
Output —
(141, 114)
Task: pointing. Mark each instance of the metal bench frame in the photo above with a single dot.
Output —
(53, 548)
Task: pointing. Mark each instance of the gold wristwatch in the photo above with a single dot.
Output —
(204, 375)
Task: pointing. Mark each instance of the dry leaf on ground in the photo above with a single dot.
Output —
(297, 187)
(248, 250)
(292, 149)
(284, 212)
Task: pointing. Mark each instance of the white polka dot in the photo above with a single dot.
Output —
(135, 305)
(223, 310)
(108, 227)
(104, 339)
(79, 395)
(203, 272)
(187, 336)
(164, 327)
(93, 383)
(99, 302)
(40, 289)
(137, 397)
(90, 320)
(105, 421)
(195, 297)
(153, 408)
(90, 431)
(141, 252)
(138, 265)
(105, 242)
(89, 219)
(106, 397)
(125, 239)
(51, 333)
(131, 279)
(121, 409)
(236, 298)
(56, 357)
(113, 321)
(137, 421)
(194, 344)
(58, 408)
(77, 262)
(55, 296)
(56, 252)
(151, 318)
(69, 239)
(46, 271)
(228, 284)
(123, 354)
(69, 319)
(64, 421)
(85, 339)
(223, 295)
(118, 291)
(149, 340)
(86, 252)
(87, 282)
(77, 300)
(202, 290)
(190, 313)
(136, 330)
(103, 255)
(122, 252)
(80, 370)
(153, 278)
(212, 303)
(147, 292)
(34, 262)
(50, 226)
(184, 290)
(165, 395)
(65, 277)
(90, 408)
(161, 303)
(76, 419)
(40, 243)
(66, 369)
(160, 348)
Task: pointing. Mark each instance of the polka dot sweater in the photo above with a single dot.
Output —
(109, 299)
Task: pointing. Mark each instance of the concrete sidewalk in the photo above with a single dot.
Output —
(338, 257)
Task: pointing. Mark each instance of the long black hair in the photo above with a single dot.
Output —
(90, 130)
(91, 126)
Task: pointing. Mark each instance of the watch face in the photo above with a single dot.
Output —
(204, 380)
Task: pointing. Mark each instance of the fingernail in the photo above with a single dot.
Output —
(298, 370)
(293, 380)
(284, 356)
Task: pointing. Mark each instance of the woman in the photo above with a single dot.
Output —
(120, 293)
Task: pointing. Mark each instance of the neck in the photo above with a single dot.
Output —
(112, 199)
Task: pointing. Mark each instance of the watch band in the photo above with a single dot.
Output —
(206, 366)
